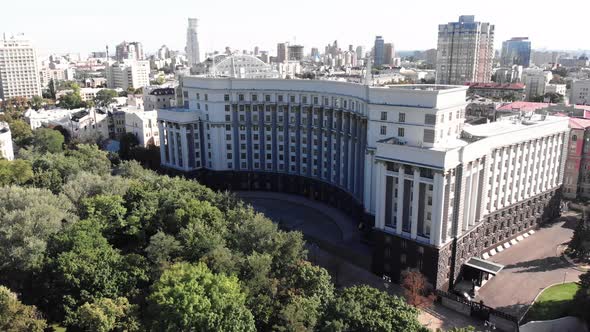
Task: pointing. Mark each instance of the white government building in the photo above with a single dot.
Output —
(435, 191)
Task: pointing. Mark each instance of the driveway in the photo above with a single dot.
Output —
(529, 267)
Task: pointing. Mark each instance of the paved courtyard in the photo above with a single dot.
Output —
(529, 267)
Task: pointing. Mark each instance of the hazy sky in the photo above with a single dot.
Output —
(84, 26)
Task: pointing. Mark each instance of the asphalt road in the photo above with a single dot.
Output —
(530, 266)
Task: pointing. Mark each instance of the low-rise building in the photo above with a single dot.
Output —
(6, 149)
(580, 92)
(159, 98)
(510, 91)
(535, 81)
(144, 125)
(560, 89)
(576, 182)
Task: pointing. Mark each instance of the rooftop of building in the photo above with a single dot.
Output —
(507, 125)
(577, 123)
(162, 91)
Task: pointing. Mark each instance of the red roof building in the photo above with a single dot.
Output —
(576, 180)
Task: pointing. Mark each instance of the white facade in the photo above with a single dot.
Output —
(535, 80)
(580, 94)
(6, 149)
(19, 72)
(192, 43)
(465, 52)
(412, 134)
(128, 74)
(144, 125)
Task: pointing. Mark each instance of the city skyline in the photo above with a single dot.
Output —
(55, 27)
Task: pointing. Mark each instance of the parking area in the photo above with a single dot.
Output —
(529, 267)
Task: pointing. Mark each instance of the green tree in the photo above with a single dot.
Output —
(127, 143)
(17, 317)
(105, 97)
(190, 297)
(15, 172)
(363, 308)
(28, 217)
(72, 100)
(579, 246)
(201, 226)
(51, 88)
(581, 302)
(36, 102)
(106, 315)
(48, 140)
(21, 132)
(83, 267)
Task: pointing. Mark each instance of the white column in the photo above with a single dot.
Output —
(161, 133)
(172, 145)
(415, 201)
(380, 197)
(184, 147)
(400, 199)
(438, 199)
(368, 194)
(475, 181)
(466, 198)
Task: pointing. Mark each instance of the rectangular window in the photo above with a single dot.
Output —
(402, 117)
(430, 119)
(383, 130)
(383, 116)
(400, 132)
(226, 97)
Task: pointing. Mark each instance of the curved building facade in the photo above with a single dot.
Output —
(399, 158)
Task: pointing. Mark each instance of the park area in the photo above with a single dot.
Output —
(554, 302)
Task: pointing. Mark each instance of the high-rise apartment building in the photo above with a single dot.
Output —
(378, 51)
(535, 81)
(128, 74)
(388, 54)
(282, 52)
(192, 43)
(465, 51)
(516, 51)
(360, 54)
(295, 52)
(19, 72)
(129, 51)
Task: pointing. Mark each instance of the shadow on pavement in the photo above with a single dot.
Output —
(539, 265)
(517, 310)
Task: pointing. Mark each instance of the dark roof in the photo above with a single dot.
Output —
(79, 115)
(162, 91)
(483, 265)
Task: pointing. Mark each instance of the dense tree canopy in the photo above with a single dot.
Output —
(48, 140)
(188, 296)
(98, 247)
(17, 317)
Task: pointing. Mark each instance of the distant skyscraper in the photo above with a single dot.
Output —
(295, 52)
(164, 52)
(465, 51)
(388, 54)
(360, 52)
(378, 51)
(516, 51)
(19, 74)
(282, 52)
(192, 43)
(256, 50)
(129, 51)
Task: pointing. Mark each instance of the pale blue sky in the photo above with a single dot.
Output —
(83, 26)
